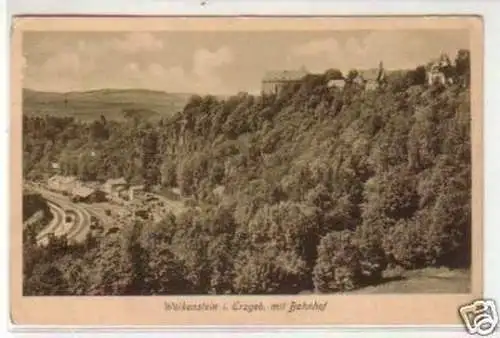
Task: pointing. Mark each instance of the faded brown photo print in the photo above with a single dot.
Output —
(247, 162)
(159, 163)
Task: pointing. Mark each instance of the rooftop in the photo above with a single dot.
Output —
(336, 82)
(92, 184)
(285, 75)
(82, 191)
(442, 61)
(114, 181)
(63, 179)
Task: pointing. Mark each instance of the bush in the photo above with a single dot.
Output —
(338, 267)
(374, 258)
(46, 280)
(164, 272)
(407, 243)
(268, 271)
(287, 226)
(220, 251)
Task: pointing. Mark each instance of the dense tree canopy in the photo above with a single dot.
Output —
(323, 188)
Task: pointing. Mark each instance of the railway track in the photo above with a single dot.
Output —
(82, 225)
(79, 227)
(55, 224)
(81, 222)
(98, 212)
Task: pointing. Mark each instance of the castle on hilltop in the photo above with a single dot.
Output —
(274, 81)
(438, 70)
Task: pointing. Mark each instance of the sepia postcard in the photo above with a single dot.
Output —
(246, 170)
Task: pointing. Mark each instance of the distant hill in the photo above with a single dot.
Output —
(114, 104)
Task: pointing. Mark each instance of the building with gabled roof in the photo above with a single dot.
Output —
(113, 186)
(62, 183)
(438, 69)
(114, 181)
(338, 83)
(82, 191)
(87, 194)
(133, 189)
(274, 81)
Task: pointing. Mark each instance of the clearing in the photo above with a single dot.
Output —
(429, 280)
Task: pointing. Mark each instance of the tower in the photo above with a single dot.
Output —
(381, 72)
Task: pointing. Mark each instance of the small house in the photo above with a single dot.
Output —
(124, 194)
(274, 81)
(55, 167)
(119, 190)
(62, 184)
(133, 189)
(337, 83)
(93, 185)
(114, 186)
(88, 195)
(53, 183)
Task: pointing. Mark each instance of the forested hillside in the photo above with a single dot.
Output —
(315, 188)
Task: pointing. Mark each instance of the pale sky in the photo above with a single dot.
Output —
(216, 62)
